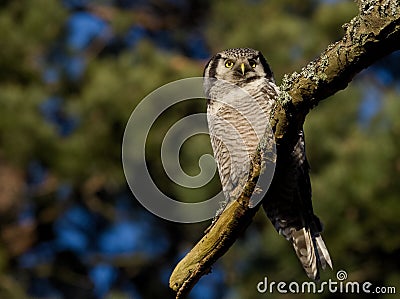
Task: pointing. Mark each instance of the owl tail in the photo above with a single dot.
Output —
(311, 251)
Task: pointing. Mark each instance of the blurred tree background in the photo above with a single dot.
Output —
(72, 71)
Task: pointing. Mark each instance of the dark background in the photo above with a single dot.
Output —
(71, 72)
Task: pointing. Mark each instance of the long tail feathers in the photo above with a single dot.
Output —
(311, 251)
(324, 257)
(304, 248)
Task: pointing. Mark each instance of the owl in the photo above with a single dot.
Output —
(241, 93)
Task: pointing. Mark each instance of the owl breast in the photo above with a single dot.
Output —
(237, 121)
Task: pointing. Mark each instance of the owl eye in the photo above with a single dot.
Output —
(229, 64)
(252, 63)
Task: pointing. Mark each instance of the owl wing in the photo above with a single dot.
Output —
(288, 205)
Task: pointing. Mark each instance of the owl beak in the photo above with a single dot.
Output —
(242, 67)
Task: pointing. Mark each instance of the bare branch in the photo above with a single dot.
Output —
(371, 35)
(223, 233)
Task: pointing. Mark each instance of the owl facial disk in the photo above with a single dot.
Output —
(239, 65)
(244, 68)
(243, 65)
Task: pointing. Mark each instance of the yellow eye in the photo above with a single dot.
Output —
(252, 63)
(229, 64)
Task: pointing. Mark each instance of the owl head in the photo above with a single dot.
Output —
(240, 65)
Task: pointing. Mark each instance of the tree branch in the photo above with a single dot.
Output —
(220, 237)
(371, 35)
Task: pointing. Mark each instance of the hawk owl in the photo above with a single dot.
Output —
(236, 124)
